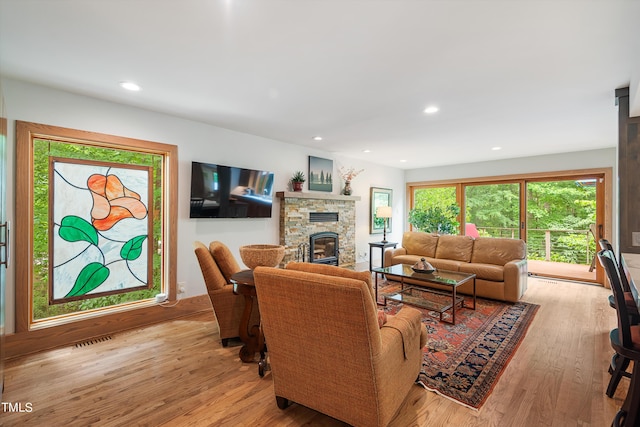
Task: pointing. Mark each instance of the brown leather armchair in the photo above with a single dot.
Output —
(218, 264)
(326, 348)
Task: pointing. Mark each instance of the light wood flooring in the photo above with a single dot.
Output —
(178, 374)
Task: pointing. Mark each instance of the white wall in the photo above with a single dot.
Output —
(603, 158)
(196, 141)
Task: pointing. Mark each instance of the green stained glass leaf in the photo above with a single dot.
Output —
(75, 229)
(133, 248)
(91, 276)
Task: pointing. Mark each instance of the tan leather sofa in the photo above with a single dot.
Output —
(326, 348)
(500, 265)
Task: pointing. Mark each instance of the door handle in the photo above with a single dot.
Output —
(4, 244)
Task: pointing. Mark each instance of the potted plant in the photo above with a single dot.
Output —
(297, 180)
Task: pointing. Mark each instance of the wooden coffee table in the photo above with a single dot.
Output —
(427, 297)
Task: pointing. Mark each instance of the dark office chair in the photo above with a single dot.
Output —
(625, 340)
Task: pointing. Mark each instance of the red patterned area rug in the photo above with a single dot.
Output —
(463, 362)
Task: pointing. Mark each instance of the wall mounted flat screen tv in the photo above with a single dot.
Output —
(219, 191)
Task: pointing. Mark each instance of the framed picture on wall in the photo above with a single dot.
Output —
(320, 174)
(380, 197)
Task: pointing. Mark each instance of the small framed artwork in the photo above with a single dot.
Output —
(320, 174)
(380, 197)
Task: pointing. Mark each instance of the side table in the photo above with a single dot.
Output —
(382, 246)
(251, 335)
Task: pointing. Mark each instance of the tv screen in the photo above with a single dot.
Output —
(219, 191)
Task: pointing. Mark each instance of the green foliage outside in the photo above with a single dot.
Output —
(435, 211)
(563, 210)
(494, 208)
(43, 150)
(567, 208)
(426, 198)
(436, 219)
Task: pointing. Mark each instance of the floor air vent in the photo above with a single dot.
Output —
(93, 341)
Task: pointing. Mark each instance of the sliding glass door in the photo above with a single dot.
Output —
(563, 227)
(492, 210)
(561, 217)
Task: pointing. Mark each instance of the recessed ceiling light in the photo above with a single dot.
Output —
(366, 151)
(496, 148)
(317, 138)
(431, 109)
(130, 86)
(403, 161)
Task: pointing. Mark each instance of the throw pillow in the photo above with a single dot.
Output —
(382, 318)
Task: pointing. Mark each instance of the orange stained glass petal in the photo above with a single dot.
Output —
(96, 183)
(114, 187)
(136, 207)
(130, 193)
(117, 214)
(101, 207)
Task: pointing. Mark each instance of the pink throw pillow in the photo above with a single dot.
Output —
(382, 318)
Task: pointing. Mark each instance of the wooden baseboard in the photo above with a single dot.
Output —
(33, 341)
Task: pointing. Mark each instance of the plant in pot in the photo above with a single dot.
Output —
(436, 219)
(297, 180)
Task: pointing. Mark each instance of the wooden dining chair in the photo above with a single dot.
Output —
(625, 277)
(625, 340)
(619, 364)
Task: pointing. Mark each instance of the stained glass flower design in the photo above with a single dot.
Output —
(94, 223)
(113, 202)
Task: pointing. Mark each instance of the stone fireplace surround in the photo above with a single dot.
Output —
(296, 226)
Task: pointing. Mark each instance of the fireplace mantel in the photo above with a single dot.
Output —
(318, 196)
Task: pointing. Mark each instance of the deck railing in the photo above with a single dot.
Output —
(571, 246)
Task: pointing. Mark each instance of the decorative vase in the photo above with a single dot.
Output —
(297, 185)
(347, 188)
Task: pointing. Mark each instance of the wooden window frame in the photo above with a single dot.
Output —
(28, 339)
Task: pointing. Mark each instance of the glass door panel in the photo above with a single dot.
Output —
(562, 229)
(492, 210)
(435, 210)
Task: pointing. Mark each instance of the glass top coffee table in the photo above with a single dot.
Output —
(423, 296)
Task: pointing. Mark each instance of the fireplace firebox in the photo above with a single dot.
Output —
(323, 248)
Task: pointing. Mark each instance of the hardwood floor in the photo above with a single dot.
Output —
(178, 374)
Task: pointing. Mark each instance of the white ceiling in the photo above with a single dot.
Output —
(533, 77)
